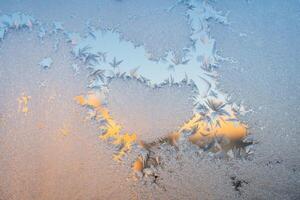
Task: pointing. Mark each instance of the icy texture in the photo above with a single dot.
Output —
(15, 21)
(103, 52)
(263, 39)
(47, 154)
(109, 58)
(72, 14)
(150, 113)
(52, 152)
(137, 21)
(46, 63)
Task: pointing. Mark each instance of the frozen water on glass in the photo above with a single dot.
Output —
(142, 70)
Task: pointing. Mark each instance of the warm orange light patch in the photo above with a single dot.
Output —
(23, 103)
(92, 99)
(233, 130)
(138, 165)
(173, 137)
(80, 100)
(229, 129)
(111, 129)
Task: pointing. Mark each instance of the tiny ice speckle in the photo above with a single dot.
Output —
(2, 33)
(73, 38)
(42, 32)
(75, 68)
(58, 26)
(46, 63)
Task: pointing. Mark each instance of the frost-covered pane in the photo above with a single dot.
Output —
(132, 99)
